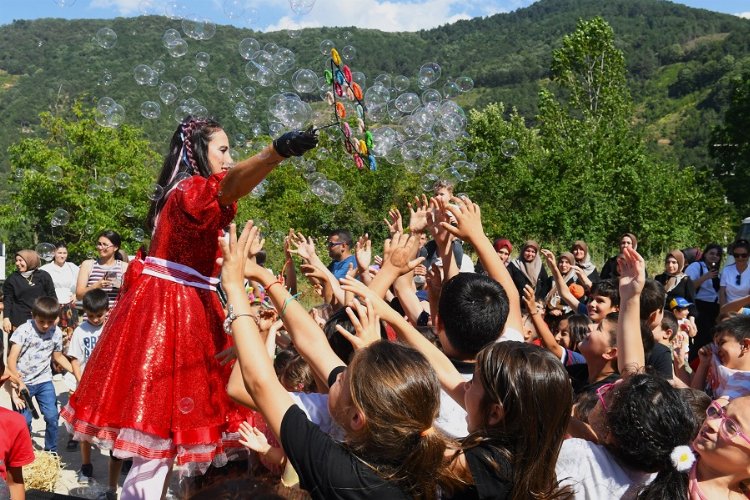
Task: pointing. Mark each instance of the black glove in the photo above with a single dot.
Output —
(295, 143)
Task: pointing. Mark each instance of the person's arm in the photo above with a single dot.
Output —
(704, 362)
(407, 297)
(545, 334)
(48, 284)
(449, 376)
(289, 271)
(258, 374)
(398, 258)
(253, 439)
(562, 287)
(469, 228)
(16, 484)
(60, 358)
(363, 255)
(630, 354)
(444, 238)
(248, 173)
(76, 369)
(15, 351)
(735, 305)
(307, 336)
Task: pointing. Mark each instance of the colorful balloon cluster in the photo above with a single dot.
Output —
(344, 87)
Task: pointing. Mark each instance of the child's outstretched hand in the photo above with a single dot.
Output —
(704, 354)
(468, 218)
(234, 254)
(253, 439)
(366, 323)
(632, 273)
(529, 298)
(400, 251)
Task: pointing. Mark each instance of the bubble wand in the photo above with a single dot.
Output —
(342, 84)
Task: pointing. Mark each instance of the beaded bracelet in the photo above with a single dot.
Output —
(230, 319)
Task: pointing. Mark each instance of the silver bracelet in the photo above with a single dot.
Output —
(230, 319)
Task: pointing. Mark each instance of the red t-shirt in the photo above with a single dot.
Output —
(15, 442)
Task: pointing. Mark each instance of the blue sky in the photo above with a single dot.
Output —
(269, 15)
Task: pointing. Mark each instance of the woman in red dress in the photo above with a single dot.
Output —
(153, 389)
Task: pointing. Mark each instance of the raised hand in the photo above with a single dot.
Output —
(468, 219)
(529, 299)
(396, 224)
(400, 251)
(295, 143)
(363, 253)
(366, 323)
(234, 254)
(418, 214)
(439, 216)
(304, 247)
(549, 258)
(632, 273)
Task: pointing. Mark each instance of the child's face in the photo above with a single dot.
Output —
(732, 354)
(96, 318)
(473, 397)
(563, 334)
(597, 342)
(44, 324)
(599, 307)
(340, 403)
(681, 312)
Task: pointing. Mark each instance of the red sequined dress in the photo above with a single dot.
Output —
(152, 387)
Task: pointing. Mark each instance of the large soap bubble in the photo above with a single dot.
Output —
(171, 37)
(408, 102)
(150, 110)
(60, 217)
(202, 59)
(46, 251)
(198, 28)
(301, 7)
(106, 38)
(178, 49)
(509, 148)
(283, 61)
(325, 47)
(168, 93)
(305, 81)
(248, 47)
(429, 73)
(188, 84)
(464, 83)
(224, 85)
(142, 74)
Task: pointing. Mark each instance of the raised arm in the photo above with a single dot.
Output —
(548, 339)
(469, 228)
(248, 173)
(562, 287)
(630, 355)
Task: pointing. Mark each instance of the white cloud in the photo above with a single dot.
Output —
(382, 15)
(746, 15)
(123, 7)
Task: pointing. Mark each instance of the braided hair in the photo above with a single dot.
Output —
(188, 155)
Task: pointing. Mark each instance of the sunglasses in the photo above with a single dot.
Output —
(334, 243)
(602, 391)
(739, 255)
(738, 280)
(728, 428)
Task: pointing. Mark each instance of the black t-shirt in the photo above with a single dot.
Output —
(492, 473)
(579, 377)
(660, 360)
(326, 469)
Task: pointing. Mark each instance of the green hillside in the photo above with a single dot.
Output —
(679, 60)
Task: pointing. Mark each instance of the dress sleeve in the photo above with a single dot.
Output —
(21, 451)
(198, 199)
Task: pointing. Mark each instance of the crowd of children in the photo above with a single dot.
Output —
(506, 383)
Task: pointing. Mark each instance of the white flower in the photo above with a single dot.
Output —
(682, 458)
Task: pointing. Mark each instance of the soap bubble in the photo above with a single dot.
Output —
(248, 47)
(122, 180)
(60, 217)
(171, 37)
(463, 171)
(106, 78)
(128, 211)
(106, 38)
(198, 28)
(259, 190)
(155, 192)
(104, 104)
(330, 192)
(54, 173)
(428, 182)
(168, 93)
(408, 102)
(46, 251)
(188, 84)
(429, 73)
(401, 83)
(138, 234)
(178, 49)
(159, 66)
(451, 90)
(283, 61)
(325, 47)
(305, 81)
(224, 85)
(348, 53)
(301, 7)
(431, 96)
(464, 83)
(186, 405)
(106, 184)
(202, 59)
(150, 110)
(234, 9)
(93, 191)
(509, 148)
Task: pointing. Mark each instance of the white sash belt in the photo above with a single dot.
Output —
(179, 273)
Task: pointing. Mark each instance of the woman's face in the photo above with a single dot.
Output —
(579, 254)
(503, 253)
(105, 247)
(716, 450)
(626, 242)
(473, 397)
(61, 255)
(219, 159)
(671, 266)
(529, 254)
(712, 256)
(564, 265)
(21, 264)
(340, 399)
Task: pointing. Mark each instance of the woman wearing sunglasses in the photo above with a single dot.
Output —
(735, 279)
(722, 469)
